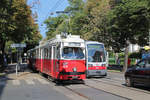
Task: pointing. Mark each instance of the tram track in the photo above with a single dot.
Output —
(88, 86)
(84, 97)
(120, 85)
(108, 92)
(80, 94)
(70, 88)
(73, 90)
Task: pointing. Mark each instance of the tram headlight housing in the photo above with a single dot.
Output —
(74, 69)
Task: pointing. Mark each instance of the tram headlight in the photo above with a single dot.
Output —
(65, 64)
(74, 69)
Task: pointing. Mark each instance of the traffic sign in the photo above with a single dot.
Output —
(18, 45)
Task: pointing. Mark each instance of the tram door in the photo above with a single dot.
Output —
(54, 61)
(50, 60)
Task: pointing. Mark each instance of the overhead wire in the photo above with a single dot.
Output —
(54, 7)
(57, 4)
(52, 10)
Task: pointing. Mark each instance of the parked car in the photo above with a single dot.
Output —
(139, 73)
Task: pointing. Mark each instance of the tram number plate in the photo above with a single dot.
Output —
(98, 72)
(75, 77)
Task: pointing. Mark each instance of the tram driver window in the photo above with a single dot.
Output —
(72, 53)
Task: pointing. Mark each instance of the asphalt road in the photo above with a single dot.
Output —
(32, 86)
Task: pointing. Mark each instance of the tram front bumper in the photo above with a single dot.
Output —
(72, 75)
(96, 72)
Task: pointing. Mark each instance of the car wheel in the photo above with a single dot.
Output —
(129, 82)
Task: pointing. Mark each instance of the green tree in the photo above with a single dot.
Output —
(96, 28)
(16, 23)
(56, 25)
(129, 23)
(77, 16)
(70, 22)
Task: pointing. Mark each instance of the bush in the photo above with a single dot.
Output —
(136, 55)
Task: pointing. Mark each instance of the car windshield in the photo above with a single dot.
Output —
(96, 53)
(72, 53)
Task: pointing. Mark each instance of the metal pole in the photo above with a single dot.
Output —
(16, 69)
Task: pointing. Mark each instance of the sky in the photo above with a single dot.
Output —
(44, 8)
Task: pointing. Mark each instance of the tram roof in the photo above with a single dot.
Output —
(93, 42)
(68, 38)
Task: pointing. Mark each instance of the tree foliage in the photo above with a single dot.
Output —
(112, 22)
(70, 22)
(17, 24)
(129, 21)
(56, 25)
(97, 20)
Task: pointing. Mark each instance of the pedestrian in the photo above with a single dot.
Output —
(146, 52)
(129, 62)
(5, 60)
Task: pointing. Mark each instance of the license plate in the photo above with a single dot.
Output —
(75, 77)
(98, 72)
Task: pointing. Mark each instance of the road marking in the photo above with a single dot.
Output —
(29, 81)
(16, 82)
(42, 81)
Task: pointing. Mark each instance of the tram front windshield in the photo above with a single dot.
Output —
(72, 53)
(96, 53)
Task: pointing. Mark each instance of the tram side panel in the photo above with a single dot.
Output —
(54, 61)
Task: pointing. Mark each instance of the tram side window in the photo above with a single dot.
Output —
(58, 52)
(46, 53)
(37, 53)
(40, 53)
(54, 52)
(50, 52)
(34, 54)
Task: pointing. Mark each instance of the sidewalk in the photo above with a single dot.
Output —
(10, 71)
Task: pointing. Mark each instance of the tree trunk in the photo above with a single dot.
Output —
(2, 49)
(116, 58)
(126, 58)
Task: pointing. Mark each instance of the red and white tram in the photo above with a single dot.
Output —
(62, 58)
(95, 59)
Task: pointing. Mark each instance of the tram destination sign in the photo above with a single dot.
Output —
(18, 45)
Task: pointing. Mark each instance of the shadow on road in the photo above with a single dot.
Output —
(9, 74)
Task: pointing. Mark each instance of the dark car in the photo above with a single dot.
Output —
(139, 73)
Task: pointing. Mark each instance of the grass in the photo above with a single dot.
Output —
(117, 71)
(2, 74)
